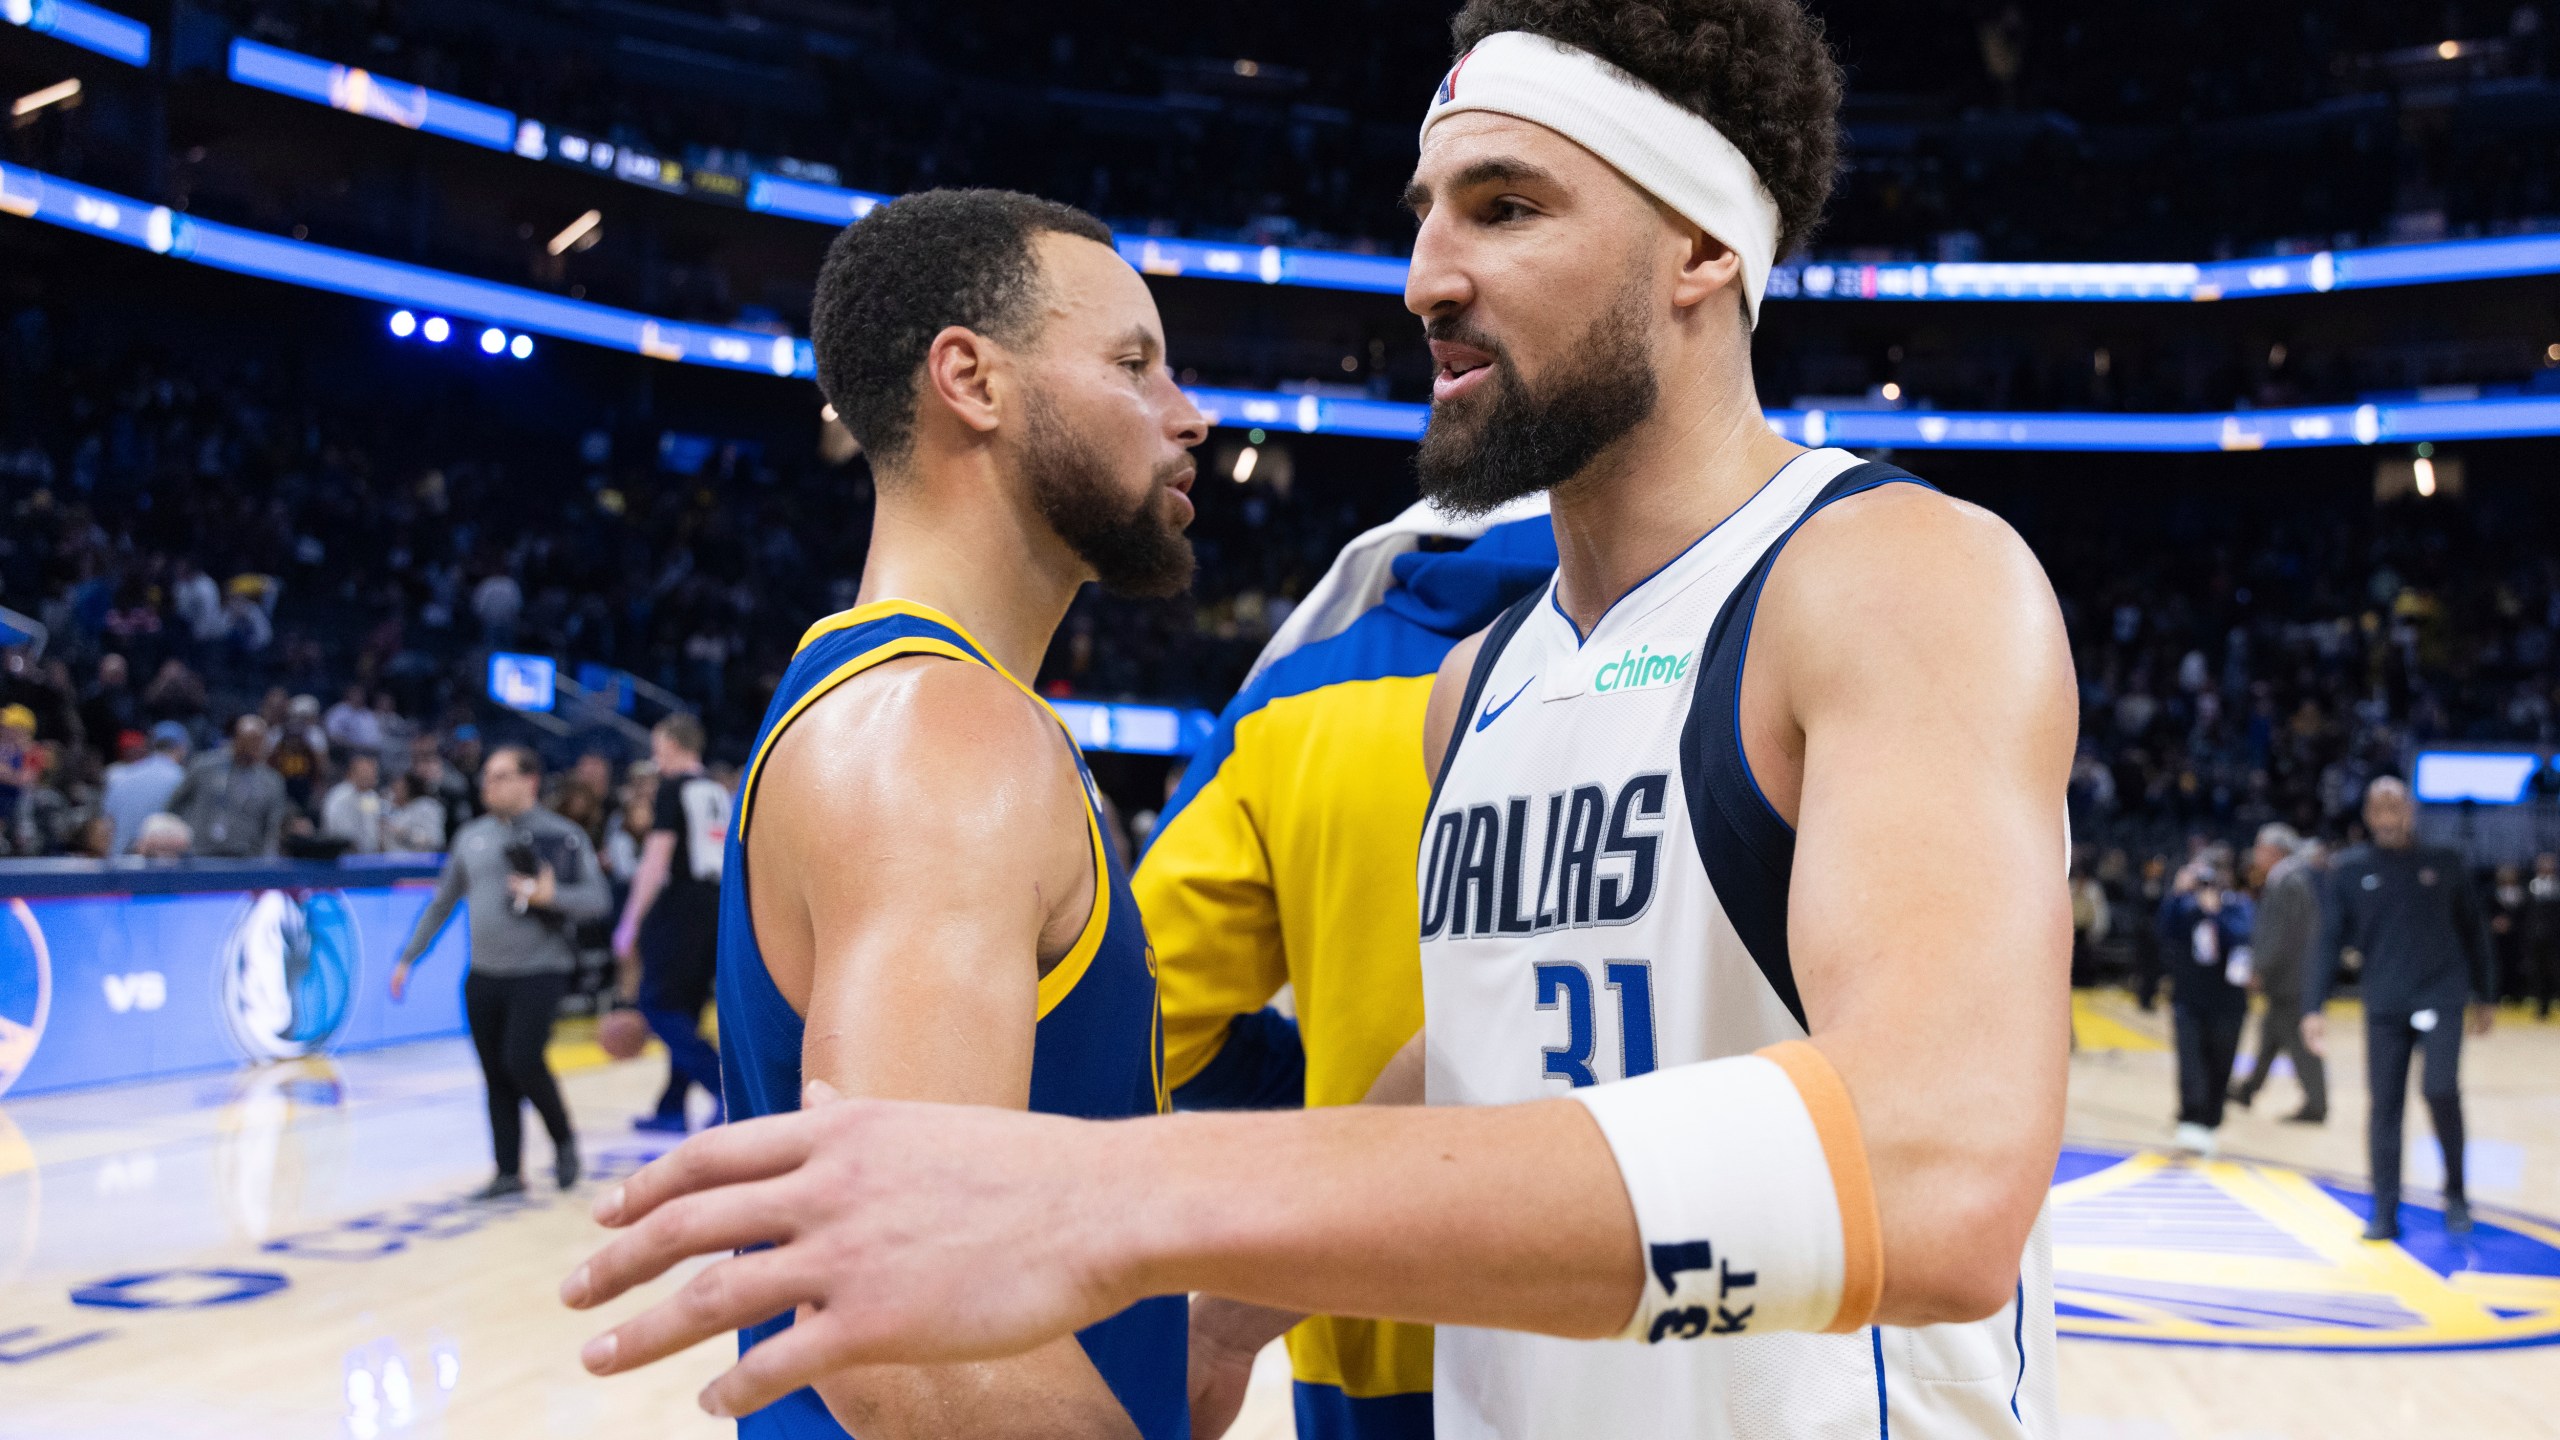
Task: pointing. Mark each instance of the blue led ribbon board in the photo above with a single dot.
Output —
(103, 32)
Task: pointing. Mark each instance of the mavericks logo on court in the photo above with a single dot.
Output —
(288, 973)
(26, 989)
(2242, 1253)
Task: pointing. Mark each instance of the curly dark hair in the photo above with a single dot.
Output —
(895, 278)
(1758, 70)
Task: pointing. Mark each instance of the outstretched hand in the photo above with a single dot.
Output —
(913, 1233)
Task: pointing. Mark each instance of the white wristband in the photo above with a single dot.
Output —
(1751, 1196)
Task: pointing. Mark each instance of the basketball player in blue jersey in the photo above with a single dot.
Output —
(1743, 927)
(917, 902)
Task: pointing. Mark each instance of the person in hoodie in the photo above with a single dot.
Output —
(1286, 857)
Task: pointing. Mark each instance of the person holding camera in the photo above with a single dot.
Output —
(2205, 927)
(531, 877)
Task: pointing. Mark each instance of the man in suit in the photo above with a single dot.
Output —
(2288, 928)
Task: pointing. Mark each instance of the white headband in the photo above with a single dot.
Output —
(1671, 153)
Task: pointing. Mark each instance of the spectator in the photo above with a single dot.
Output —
(2408, 909)
(175, 693)
(2204, 940)
(352, 725)
(96, 838)
(629, 828)
(2287, 931)
(530, 878)
(246, 624)
(498, 601)
(414, 823)
(198, 603)
(19, 768)
(2507, 901)
(398, 734)
(234, 802)
(353, 811)
(2542, 934)
(109, 707)
(164, 837)
(140, 789)
(300, 753)
(438, 781)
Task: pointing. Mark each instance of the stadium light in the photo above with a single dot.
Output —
(827, 412)
(403, 324)
(521, 347)
(35, 100)
(1246, 459)
(578, 234)
(493, 341)
(437, 330)
(2423, 471)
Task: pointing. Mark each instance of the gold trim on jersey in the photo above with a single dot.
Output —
(1063, 976)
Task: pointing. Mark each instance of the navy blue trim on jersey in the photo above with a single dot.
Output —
(1324, 1412)
(1555, 596)
(1496, 637)
(1748, 848)
(1435, 600)
(1884, 1414)
(2020, 1336)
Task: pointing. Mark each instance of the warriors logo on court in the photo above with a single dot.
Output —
(2242, 1253)
(26, 989)
(288, 973)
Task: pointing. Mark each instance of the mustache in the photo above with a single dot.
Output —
(1453, 330)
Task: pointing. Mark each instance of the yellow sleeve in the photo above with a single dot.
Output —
(1205, 891)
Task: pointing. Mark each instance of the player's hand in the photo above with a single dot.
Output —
(626, 943)
(1226, 1335)
(400, 982)
(2484, 1018)
(2315, 1033)
(916, 1233)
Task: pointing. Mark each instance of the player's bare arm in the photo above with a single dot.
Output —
(919, 977)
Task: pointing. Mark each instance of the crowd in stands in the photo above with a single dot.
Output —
(2068, 130)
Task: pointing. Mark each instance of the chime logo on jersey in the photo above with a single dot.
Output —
(1640, 669)
(1596, 861)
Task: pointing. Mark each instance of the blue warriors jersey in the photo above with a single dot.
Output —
(1098, 1053)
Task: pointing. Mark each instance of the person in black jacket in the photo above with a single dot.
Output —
(2409, 910)
(2204, 930)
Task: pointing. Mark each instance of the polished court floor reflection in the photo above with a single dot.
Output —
(283, 1253)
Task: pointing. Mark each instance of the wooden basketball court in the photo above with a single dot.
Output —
(280, 1253)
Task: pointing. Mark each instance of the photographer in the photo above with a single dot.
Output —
(531, 877)
(2204, 941)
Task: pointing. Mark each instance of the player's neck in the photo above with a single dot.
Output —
(1704, 452)
(1002, 574)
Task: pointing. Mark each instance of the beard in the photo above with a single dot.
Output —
(1517, 438)
(1135, 549)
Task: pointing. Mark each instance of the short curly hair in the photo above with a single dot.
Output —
(897, 277)
(1758, 70)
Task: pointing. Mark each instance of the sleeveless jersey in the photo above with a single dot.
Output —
(1604, 893)
(1098, 1052)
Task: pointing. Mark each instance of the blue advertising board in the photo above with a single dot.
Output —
(102, 984)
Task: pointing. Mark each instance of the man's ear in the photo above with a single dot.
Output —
(1710, 265)
(961, 375)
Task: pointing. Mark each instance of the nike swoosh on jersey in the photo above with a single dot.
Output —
(1494, 712)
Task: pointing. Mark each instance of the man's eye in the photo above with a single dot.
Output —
(1504, 211)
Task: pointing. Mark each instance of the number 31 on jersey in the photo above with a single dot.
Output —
(1566, 985)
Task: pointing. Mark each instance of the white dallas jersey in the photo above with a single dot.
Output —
(1603, 894)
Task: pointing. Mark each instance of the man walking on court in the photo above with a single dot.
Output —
(2409, 910)
(1745, 1088)
(2287, 931)
(666, 946)
(530, 878)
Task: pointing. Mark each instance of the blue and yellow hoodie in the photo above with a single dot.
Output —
(1287, 856)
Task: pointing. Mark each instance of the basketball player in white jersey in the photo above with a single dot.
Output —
(1744, 931)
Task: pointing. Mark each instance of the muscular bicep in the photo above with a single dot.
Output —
(914, 841)
(1921, 661)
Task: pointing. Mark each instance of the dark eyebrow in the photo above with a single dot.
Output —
(1497, 170)
(1141, 338)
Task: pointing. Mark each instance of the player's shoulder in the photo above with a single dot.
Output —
(1899, 554)
(923, 732)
